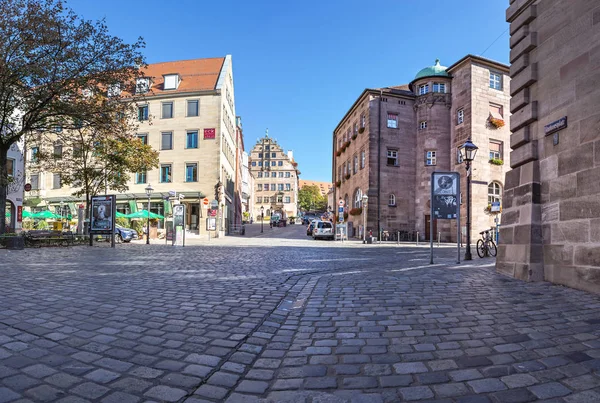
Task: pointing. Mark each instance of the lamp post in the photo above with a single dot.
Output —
(468, 152)
(262, 218)
(62, 223)
(149, 193)
(365, 200)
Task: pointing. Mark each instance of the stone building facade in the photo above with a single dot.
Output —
(392, 139)
(275, 176)
(551, 223)
(15, 166)
(188, 115)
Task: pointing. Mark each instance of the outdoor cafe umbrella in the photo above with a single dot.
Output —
(144, 214)
(26, 214)
(44, 215)
(120, 215)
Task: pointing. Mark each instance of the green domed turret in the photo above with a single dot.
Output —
(435, 70)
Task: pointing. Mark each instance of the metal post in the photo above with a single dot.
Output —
(468, 248)
(148, 223)
(398, 237)
(417, 238)
(262, 222)
(439, 236)
(365, 224)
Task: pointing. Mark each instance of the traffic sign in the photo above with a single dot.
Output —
(27, 187)
(341, 202)
(214, 204)
(205, 201)
(495, 207)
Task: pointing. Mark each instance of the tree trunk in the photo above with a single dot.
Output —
(88, 212)
(3, 188)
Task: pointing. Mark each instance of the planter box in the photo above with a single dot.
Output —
(15, 242)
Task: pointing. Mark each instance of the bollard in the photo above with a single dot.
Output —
(417, 238)
(398, 238)
(439, 236)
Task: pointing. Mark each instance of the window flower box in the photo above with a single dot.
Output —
(361, 130)
(354, 136)
(496, 161)
(339, 152)
(356, 211)
(338, 184)
(347, 176)
(497, 123)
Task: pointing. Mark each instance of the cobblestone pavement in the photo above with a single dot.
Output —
(280, 319)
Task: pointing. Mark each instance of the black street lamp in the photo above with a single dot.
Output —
(149, 193)
(467, 153)
(262, 218)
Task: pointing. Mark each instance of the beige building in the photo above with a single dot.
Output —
(275, 179)
(551, 223)
(324, 187)
(392, 139)
(189, 116)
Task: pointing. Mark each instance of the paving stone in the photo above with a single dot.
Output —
(212, 392)
(7, 395)
(465, 375)
(450, 389)
(19, 382)
(582, 382)
(256, 387)
(521, 395)
(549, 390)
(416, 393)
(90, 390)
(395, 381)
(519, 380)
(120, 397)
(224, 379)
(359, 382)
(102, 376)
(410, 368)
(165, 393)
(486, 385)
(588, 396)
(285, 384)
(432, 377)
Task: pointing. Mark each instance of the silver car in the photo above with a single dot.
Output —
(323, 230)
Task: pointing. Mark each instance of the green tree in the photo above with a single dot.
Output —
(58, 70)
(311, 199)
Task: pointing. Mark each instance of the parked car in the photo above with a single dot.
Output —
(323, 230)
(311, 226)
(123, 234)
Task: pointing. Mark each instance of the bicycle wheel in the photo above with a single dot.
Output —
(492, 250)
(480, 248)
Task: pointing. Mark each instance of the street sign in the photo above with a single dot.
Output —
(341, 202)
(495, 207)
(27, 187)
(172, 193)
(205, 201)
(214, 204)
(341, 212)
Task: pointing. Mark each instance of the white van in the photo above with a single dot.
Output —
(323, 229)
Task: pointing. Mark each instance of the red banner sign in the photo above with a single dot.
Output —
(209, 134)
(19, 213)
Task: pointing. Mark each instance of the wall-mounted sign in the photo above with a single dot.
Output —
(19, 213)
(209, 134)
(27, 187)
(103, 213)
(555, 126)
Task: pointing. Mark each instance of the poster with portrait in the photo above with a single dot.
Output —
(102, 213)
(445, 195)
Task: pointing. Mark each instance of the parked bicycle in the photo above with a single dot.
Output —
(485, 245)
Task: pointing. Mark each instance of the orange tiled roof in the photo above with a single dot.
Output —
(195, 75)
(323, 186)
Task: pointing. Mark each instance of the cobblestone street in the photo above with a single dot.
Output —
(281, 317)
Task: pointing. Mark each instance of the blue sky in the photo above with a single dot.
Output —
(299, 65)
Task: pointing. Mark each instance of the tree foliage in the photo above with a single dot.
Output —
(59, 70)
(311, 199)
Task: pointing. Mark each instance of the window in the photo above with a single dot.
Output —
(192, 108)
(423, 125)
(56, 181)
(280, 186)
(167, 110)
(287, 199)
(273, 155)
(494, 192)
(260, 155)
(355, 128)
(460, 116)
(349, 170)
(267, 148)
(165, 173)
(192, 139)
(143, 138)
(280, 163)
(495, 80)
(58, 151)
(392, 157)
(114, 90)
(423, 89)
(10, 167)
(439, 87)
(58, 128)
(495, 150)
(392, 121)
(344, 170)
(260, 174)
(430, 158)
(34, 153)
(496, 111)
(253, 163)
(259, 163)
(166, 141)
(459, 159)
(34, 180)
(259, 187)
(171, 81)
(140, 177)
(392, 200)
(142, 113)
(288, 187)
(259, 199)
(288, 174)
(272, 186)
(273, 163)
(363, 156)
(357, 198)
(363, 120)
(142, 85)
(279, 198)
(191, 172)
(273, 174)
(281, 174)
(355, 164)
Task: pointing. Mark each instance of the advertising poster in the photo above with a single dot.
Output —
(102, 214)
(445, 196)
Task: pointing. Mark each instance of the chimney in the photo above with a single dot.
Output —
(290, 155)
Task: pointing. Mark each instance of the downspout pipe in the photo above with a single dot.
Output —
(379, 168)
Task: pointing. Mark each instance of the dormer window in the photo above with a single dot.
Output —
(171, 81)
(114, 90)
(439, 87)
(423, 89)
(142, 85)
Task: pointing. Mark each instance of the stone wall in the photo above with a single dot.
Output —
(552, 192)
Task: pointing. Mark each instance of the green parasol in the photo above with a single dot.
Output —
(45, 215)
(143, 214)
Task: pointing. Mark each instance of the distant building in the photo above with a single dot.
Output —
(188, 115)
(392, 139)
(275, 179)
(16, 173)
(324, 187)
(551, 226)
(247, 186)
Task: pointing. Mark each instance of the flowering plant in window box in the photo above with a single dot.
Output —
(361, 130)
(339, 152)
(496, 161)
(497, 123)
(347, 144)
(488, 210)
(354, 136)
(356, 211)
(338, 184)
(347, 176)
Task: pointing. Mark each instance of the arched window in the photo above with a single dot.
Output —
(357, 198)
(494, 192)
(392, 200)
(346, 202)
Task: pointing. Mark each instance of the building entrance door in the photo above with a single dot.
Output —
(427, 224)
(194, 214)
